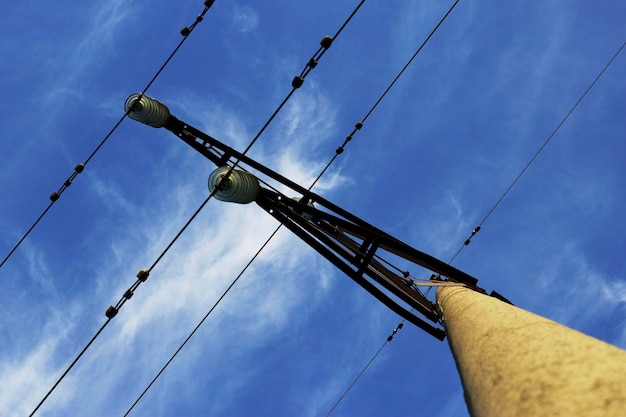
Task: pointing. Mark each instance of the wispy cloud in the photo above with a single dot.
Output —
(269, 298)
(245, 18)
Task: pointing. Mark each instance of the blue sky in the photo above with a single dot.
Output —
(427, 166)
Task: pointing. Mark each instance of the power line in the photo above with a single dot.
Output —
(532, 159)
(340, 150)
(112, 311)
(201, 322)
(54, 197)
(359, 124)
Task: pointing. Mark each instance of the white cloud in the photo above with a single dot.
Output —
(569, 276)
(245, 19)
(270, 297)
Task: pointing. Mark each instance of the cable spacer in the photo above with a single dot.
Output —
(128, 294)
(79, 167)
(339, 150)
(358, 125)
(111, 312)
(54, 196)
(312, 63)
(209, 3)
(326, 42)
(143, 275)
(297, 81)
(185, 31)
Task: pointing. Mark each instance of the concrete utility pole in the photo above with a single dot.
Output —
(515, 363)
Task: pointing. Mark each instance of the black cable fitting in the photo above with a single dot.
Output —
(339, 150)
(209, 3)
(143, 275)
(111, 312)
(67, 182)
(358, 125)
(312, 63)
(199, 18)
(326, 42)
(185, 31)
(405, 274)
(348, 138)
(297, 81)
(54, 196)
(79, 168)
(400, 325)
(390, 338)
(467, 242)
(128, 294)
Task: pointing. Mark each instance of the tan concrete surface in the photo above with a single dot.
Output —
(515, 363)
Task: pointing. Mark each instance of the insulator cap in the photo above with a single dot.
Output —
(111, 312)
(147, 110)
(240, 186)
(326, 42)
(297, 81)
(143, 275)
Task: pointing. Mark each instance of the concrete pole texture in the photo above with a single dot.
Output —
(515, 363)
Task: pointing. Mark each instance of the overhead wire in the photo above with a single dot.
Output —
(78, 169)
(143, 274)
(489, 213)
(296, 83)
(536, 154)
(340, 150)
(112, 311)
(359, 124)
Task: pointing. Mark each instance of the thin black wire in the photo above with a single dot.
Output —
(298, 80)
(127, 295)
(79, 168)
(380, 349)
(143, 274)
(70, 367)
(359, 124)
(532, 159)
(340, 150)
(232, 284)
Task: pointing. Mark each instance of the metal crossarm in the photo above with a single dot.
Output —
(351, 244)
